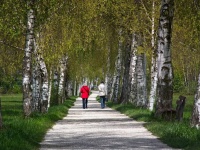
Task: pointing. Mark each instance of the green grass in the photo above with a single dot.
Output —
(173, 133)
(19, 133)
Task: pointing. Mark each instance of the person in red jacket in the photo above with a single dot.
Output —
(85, 91)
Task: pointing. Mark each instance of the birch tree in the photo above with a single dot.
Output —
(132, 72)
(152, 95)
(61, 88)
(141, 81)
(125, 85)
(165, 72)
(118, 70)
(195, 120)
(29, 47)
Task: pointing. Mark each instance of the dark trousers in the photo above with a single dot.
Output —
(85, 101)
(102, 100)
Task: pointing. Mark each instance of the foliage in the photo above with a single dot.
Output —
(178, 84)
(19, 133)
(173, 133)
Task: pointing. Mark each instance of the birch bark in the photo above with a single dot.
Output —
(41, 88)
(45, 85)
(50, 87)
(37, 81)
(154, 69)
(195, 120)
(141, 81)
(112, 87)
(61, 88)
(165, 72)
(132, 72)
(118, 70)
(27, 78)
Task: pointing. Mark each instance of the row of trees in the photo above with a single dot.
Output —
(68, 42)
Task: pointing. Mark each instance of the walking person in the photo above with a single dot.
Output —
(85, 91)
(102, 94)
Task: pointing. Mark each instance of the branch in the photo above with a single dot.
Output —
(11, 45)
(145, 9)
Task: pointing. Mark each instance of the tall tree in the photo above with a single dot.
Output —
(165, 71)
(118, 70)
(152, 95)
(132, 72)
(29, 48)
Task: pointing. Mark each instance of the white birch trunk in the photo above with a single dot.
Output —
(141, 81)
(42, 84)
(112, 87)
(132, 72)
(107, 78)
(61, 88)
(36, 81)
(195, 121)
(78, 89)
(69, 88)
(118, 70)
(154, 79)
(45, 85)
(50, 87)
(75, 87)
(27, 79)
(165, 72)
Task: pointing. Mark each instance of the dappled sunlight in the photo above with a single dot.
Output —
(96, 128)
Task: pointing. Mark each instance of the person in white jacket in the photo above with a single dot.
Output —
(102, 94)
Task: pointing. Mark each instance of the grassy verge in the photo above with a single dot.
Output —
(174, 134)
(26, 134)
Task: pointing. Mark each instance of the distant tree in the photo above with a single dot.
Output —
(195, 121)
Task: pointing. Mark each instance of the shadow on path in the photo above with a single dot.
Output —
(96, 128)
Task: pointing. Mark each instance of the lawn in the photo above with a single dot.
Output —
(173, 133)
(19, 133)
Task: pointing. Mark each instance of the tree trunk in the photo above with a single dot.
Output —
(132, 72)
(125, 85)
(195, 120)
(75, 87)
(154, 69)
(118, 70)
(27, 79)
(45, 86)
(61, 88)
(41, 81)
(107, 78)
(69, 88)
(112, 87)
(50, 87)
(141, 81)
(165, 71)
(37, 81)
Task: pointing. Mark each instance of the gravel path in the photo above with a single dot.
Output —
(96, 128)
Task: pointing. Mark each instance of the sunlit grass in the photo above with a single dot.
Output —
(26, 134)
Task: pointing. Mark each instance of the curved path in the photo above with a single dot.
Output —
(96, 128)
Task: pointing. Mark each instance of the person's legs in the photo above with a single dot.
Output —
(86, 102)
(102, 99)
(83, 100)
